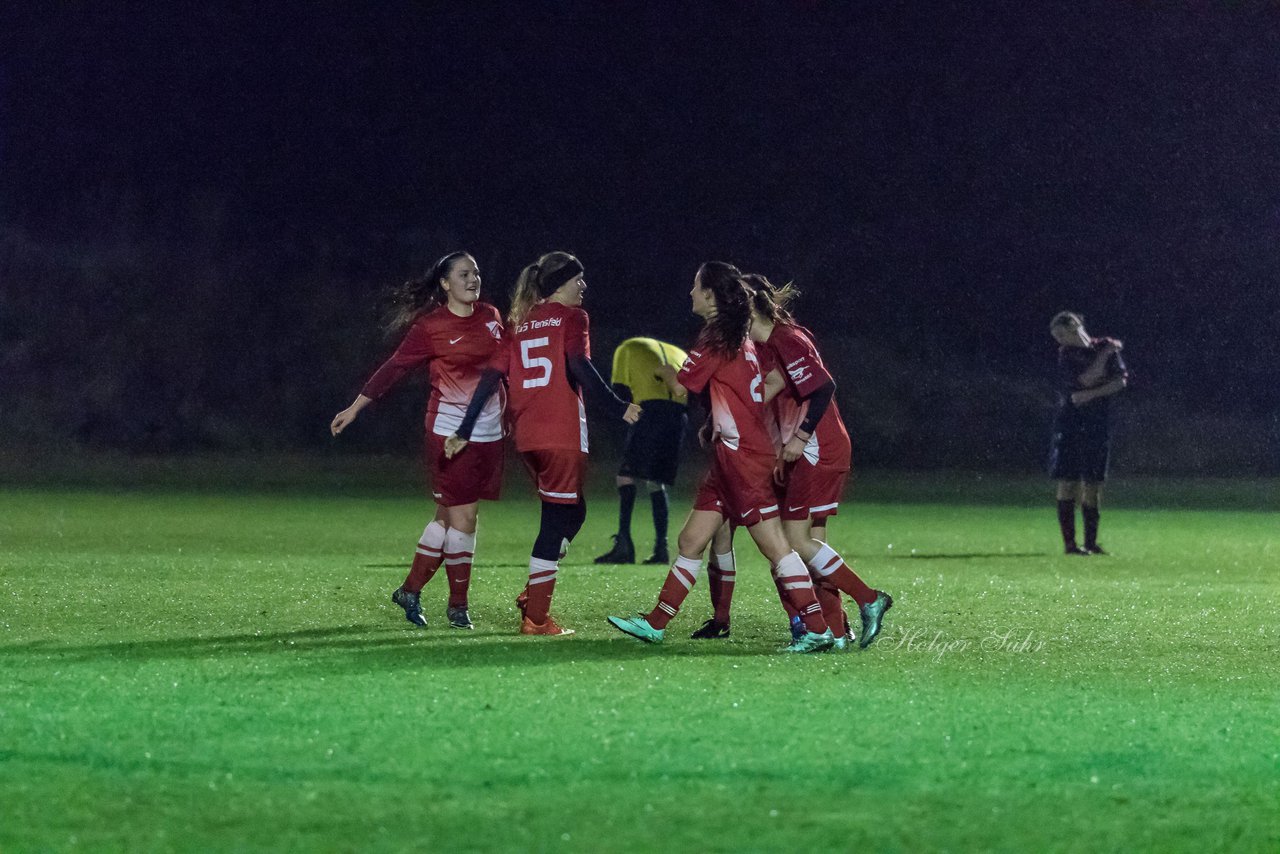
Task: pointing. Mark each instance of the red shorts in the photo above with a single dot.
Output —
(474, 474)
(558, 474)
(738, 486)
(811, 492)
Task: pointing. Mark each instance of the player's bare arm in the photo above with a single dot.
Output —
(773, 383)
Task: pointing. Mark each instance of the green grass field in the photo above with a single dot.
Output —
(187, 669)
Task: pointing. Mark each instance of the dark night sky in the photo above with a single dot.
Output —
(947, 173)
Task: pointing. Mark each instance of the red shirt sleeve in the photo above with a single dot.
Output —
(416, 349)
(577, 335)
(697, 369)
(798, 360)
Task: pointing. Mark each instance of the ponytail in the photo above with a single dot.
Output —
(525, 295)
(770, 301)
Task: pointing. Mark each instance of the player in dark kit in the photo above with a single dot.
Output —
(1090, 371)
(652, 449)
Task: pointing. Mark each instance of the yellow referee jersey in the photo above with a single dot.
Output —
(634, 362)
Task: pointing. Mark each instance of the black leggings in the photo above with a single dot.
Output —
(560, 522)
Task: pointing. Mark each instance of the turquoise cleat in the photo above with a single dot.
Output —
(813, 642)
(873, 617)
(638, 627)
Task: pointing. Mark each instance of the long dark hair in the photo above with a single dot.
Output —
(727, 328)
(769, 300)
(530, 285)
(416, 297)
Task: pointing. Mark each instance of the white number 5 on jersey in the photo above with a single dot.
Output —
(536, 362)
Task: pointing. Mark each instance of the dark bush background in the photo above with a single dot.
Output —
(200, 209)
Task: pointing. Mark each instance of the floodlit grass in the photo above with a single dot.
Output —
(188, 670)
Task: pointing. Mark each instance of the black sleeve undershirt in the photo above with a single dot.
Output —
(489, 379)
(589, 380)
(818, 403)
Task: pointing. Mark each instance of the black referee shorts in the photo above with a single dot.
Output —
(1080, 455)
(652, 448)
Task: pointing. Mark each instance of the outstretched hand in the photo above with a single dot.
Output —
(342, 419)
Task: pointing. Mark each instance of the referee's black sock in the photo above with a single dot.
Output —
(660, 515)
(626, 503)
(1067, 521)
(1090, 514)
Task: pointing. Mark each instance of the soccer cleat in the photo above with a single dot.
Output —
(412, 608)
(1073, 549)
(812, 642)
(638, 627)
(1095, 549)
(623, 551)
(660, 555)
(711, 630)
(458, 617)
(873, 617)
(841, 644)
(550, 627)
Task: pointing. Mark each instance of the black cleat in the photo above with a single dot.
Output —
(1073, 549)
(873, 617)
(711, 630)
(1094, 549)
(412, 609)
(458, 617)
(623, 551)
(660, 555)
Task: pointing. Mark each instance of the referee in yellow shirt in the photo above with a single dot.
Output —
(652, 449)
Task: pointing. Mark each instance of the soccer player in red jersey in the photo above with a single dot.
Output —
(815, 455)
(724, 369)
(459, 340)
(548, 367)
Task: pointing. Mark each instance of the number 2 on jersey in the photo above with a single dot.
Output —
(536, 362)
(757, 381)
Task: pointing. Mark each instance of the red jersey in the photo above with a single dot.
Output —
(456, 349)
(793, 353)
(736, 389)
(546, 407)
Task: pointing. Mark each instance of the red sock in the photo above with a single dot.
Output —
(680, 580)
(792, 613)
(831, 568)
(793, 577)
(542, 583)
(459, 552)
(427, 559)
(829, 601)
(722, 586)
